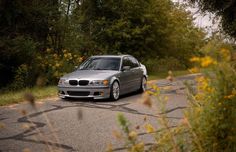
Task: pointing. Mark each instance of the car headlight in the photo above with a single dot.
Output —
(99, 83)
(61, 82)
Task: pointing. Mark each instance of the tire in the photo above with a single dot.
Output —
(115, 91)
(143, 86)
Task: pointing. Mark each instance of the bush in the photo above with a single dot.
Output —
(163, 64)
(209, 122)
(212, 115)
(53, 65)
(16, 53)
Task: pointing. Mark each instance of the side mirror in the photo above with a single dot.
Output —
(126, 68)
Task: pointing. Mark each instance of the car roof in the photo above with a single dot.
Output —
(113, 56)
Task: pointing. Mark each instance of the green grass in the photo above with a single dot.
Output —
(49, 91)
(162, 75)
(18, 96)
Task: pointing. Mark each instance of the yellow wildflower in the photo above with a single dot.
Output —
(155, 87)
(109, 148)
(26, 150)
(231, 95)
(149, 128)
(25, 126)
(117, 134)
(225, 53)
(138, 147)
(146, 100)
(195, 59)
(194, 70)
(207, 61)
(133, 135)
(81, 59)
(48, 50)
(184, 121)
(203, 84)
(199, 96)
(165, 98)
(2, 125)
(57, 65)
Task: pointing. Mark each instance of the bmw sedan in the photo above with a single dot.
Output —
(105, 76)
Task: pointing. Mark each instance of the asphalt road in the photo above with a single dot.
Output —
(84, 125)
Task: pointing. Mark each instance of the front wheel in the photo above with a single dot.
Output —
(115, 91)
(143, 86)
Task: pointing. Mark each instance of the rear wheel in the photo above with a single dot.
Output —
(115, 91)
(143, 85)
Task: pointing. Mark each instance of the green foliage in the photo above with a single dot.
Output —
(213, 114)
(53, 66)
(123, 123)
(145, 29)
(155, 65)
(142, 28)
(209, 121)
(14, 53)
(10, 97)
(21, 77)
(224, 9)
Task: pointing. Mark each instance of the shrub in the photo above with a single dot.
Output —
(209, 121)
(21, 77)
(212, 115)
(53, 65)
(163, 64)
(15, 53)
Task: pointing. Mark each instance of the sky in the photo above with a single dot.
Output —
(202, 20)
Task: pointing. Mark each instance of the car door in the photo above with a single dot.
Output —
(137, 73)
(126, 76)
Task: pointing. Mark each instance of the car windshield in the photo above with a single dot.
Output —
(101, 63)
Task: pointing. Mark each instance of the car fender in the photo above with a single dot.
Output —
(114, 78)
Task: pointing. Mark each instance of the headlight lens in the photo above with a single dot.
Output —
(99, 83)
(61, 82)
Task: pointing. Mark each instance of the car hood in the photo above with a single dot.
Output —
(90, 74)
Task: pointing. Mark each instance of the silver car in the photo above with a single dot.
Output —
(106, 76)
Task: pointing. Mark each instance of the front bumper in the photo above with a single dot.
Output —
(84, 92)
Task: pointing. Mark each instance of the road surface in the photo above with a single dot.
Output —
(84, 125)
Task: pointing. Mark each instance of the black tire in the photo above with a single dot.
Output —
(114, 95)
(143, 86)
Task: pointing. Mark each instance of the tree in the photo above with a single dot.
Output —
(224, 9)
(24, 29)
(145, 29)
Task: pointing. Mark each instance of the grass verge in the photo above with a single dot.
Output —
(49, 91)
(11, 97)
(162, 75)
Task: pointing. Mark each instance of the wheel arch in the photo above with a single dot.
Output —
(113, 79)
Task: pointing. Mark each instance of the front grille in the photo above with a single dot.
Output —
(83, 82)
(73, 82)
(78, 93)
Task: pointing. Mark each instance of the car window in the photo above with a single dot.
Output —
(101, 63)
(134, 62)
(130, 61)
(126, 62)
